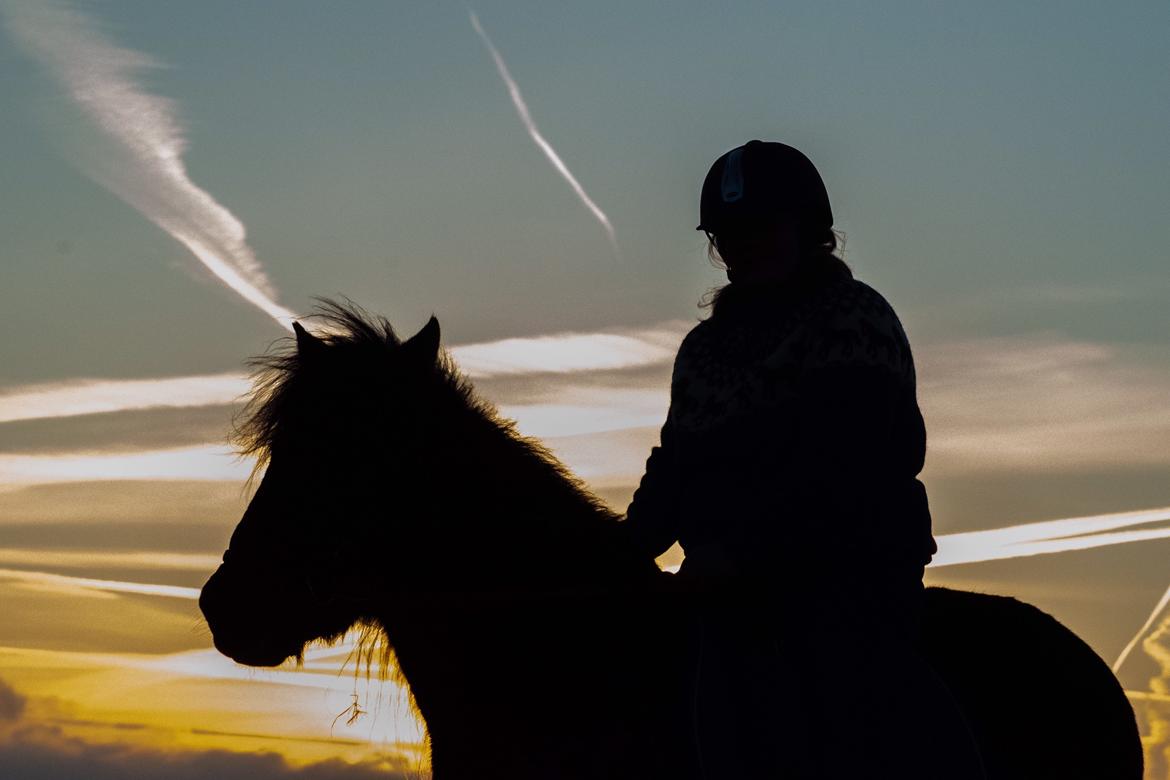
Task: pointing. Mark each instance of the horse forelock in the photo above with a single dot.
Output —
(267, 410)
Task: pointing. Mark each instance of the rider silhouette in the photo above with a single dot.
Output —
(787, 471)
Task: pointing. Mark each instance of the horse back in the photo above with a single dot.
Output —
(1041, 703)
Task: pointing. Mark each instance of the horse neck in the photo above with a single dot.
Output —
(498, 677)
(514, 485)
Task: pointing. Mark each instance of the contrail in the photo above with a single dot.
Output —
(1049, 536)
(540, 140)
(111, 586)
(147, 170)
(1161, 605)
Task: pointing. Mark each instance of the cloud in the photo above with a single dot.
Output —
(607, 459)
(91, 396)
(1157, 706)
(1041, 402)
(587, 410)
(80, 559)
(11, 703)
(73, 584)
(119, 431)
(43, 752)
(1036, 402)
(137, 152)
(208, 462)
(121, 514)
(1022, 540)
(567, 352)
(556, 353)
(134, 717)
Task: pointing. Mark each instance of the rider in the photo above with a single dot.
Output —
(788, 469)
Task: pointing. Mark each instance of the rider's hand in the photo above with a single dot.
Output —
(710, 562)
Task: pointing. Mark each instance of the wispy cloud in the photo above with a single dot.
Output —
(43, 751)
(1043, 401)
(1022, 540)
(557, 353)
(94, 396)
(138, 559)
(539, 139)
(581, 409)
(290, 702)
(71, 584)
(1157, 744)
(208, 462)
(144, 165)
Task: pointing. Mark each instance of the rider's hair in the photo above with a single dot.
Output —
(825, 245)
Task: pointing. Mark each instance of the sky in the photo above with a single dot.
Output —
(178, 180)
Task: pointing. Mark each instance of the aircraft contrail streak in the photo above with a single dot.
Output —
(146, 167)
(1161, 605)
(1049, 536)
(541, 142)
(110, 586)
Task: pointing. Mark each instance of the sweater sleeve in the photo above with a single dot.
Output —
(651, 522)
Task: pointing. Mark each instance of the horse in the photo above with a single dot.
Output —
(393, 498)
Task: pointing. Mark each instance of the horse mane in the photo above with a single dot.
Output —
(369, 340)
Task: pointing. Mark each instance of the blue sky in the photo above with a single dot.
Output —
(371, 151)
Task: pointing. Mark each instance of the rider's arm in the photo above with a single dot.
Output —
(652, 517)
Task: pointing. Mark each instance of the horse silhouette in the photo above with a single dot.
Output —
(534, 644)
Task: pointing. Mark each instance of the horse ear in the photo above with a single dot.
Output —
(424, 345)
(308, 345)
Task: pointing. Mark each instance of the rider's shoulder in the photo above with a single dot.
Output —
(856, 304)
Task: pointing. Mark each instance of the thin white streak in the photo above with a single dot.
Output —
(109, 586)
(207, 462)
(1161, 605)
(583, 410)
(94, 396)
(1091, 541)
(560, 353)
(1026, 539)
(231, 276)
(139, 559)
(210, 664)
(570, 351)
(538, 139)
(147, 169)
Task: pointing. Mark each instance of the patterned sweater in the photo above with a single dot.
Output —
(794, 438)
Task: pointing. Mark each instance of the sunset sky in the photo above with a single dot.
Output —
(178, 179)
